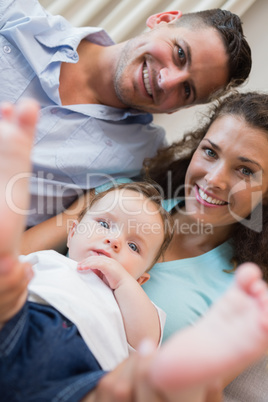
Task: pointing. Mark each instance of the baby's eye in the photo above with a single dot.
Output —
(181, 53)
(104, 224)
(133, 247)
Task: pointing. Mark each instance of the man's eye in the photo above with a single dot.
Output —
(104, 224)
(187, 90)
(133, 247)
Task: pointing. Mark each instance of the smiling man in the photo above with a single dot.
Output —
(96, 96)
(171, 67)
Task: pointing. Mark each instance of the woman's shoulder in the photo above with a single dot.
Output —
(219, 256)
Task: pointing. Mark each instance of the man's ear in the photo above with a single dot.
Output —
(143, 278)
(72, 231)
(166, 17)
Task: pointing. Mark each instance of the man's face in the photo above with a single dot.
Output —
(170, 68)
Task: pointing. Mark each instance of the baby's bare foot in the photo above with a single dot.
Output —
(232, 335)
(17, 128)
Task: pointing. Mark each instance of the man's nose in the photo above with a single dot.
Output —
(170, 78)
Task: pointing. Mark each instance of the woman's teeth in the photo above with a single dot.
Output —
(146, 80)
(209, 199)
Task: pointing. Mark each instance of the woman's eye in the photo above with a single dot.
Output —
(246, 171)
(104, 224)
(210, 153)
(181, 53)
(133, 247)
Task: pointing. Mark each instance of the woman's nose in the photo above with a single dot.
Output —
(216, 178)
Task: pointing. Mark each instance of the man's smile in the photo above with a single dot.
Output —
(146, 80)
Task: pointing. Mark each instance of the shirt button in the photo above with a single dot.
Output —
(74, 56)
(53, 110)
(7, 49)
(109, 143)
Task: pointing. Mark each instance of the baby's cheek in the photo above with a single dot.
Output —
(75, 251)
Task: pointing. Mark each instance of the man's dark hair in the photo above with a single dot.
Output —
(229, 27)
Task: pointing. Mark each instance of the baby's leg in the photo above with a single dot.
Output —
(17, 127)
(230, 337)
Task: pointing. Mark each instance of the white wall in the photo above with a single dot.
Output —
(255, 25)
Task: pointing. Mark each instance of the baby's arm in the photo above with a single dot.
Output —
(53, 233)
(139, 314)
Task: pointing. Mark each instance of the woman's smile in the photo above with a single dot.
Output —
(207, 199)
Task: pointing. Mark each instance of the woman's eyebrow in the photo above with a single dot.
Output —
(213, 144)
(241, 158)
(244, 159)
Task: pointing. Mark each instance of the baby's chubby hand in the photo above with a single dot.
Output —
(109, 270)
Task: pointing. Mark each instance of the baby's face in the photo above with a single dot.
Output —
(123, 225)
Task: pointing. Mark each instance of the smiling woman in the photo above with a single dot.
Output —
(227, 176)
(221, 172)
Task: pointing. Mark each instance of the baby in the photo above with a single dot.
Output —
(82, 314)
(119, 236)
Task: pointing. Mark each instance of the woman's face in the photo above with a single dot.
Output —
(228, 174)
